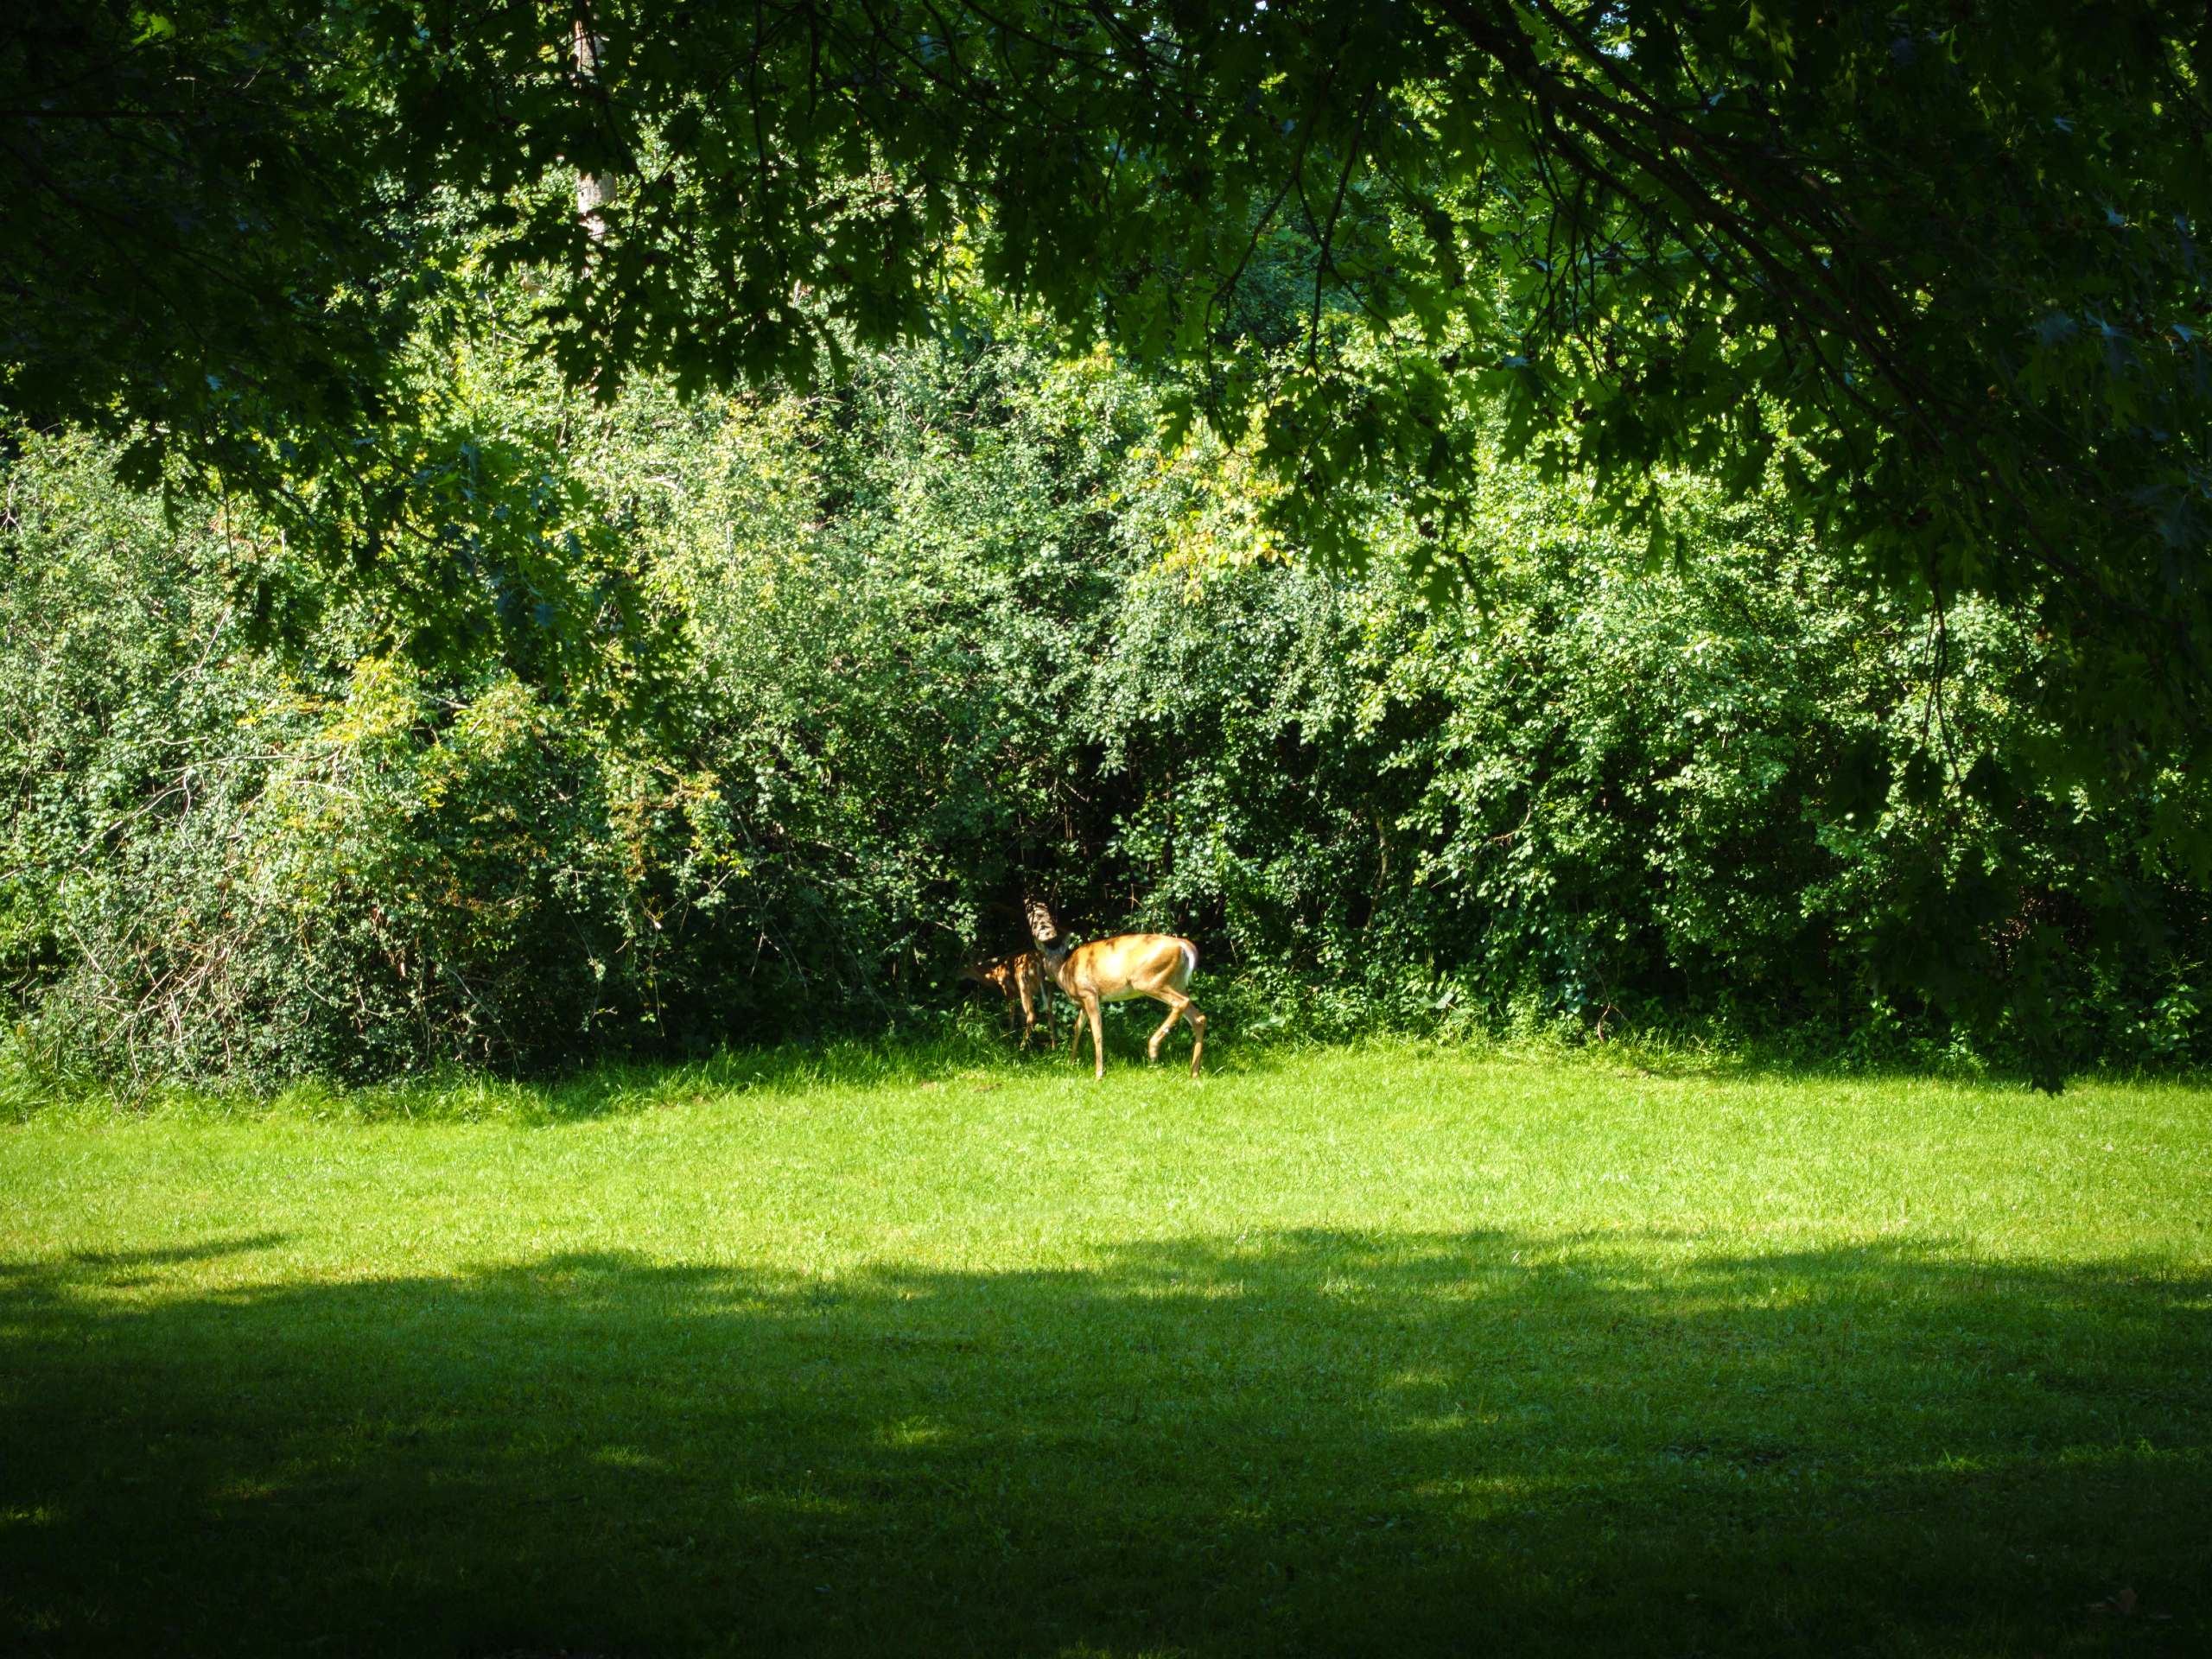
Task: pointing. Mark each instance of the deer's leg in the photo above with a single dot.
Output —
(1028, 1012)
(1179, 1006)
(1175, 1007)
(1097, 1038)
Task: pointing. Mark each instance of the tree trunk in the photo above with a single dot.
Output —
(594, 190)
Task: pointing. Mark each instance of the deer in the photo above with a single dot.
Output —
(1019, 978)
(1157, 965)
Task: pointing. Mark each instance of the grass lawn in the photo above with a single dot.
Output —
(1381, 1351)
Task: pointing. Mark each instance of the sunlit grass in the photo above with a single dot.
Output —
(1381, 1349)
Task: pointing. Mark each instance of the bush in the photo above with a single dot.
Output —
(859, 669)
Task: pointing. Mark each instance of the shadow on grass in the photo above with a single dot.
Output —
(1311, 1442)
(1816, 1058)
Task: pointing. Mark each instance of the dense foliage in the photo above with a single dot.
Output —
(1942, 253)
(859, 665)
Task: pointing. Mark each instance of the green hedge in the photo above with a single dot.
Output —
(855, 668)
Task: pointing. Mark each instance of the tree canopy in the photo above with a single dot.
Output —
(1936, 262)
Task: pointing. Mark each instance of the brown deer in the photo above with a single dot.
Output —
(1157, 965)
(1017, 978)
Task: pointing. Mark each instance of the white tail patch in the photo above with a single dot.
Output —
(1190, 961)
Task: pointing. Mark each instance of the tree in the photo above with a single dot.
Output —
(1939, 258)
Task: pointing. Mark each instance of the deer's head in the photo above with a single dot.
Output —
(1045, 931)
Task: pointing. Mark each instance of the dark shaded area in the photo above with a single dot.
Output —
(1313, 1441)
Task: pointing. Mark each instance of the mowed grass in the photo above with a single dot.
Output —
(1365, 1351)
